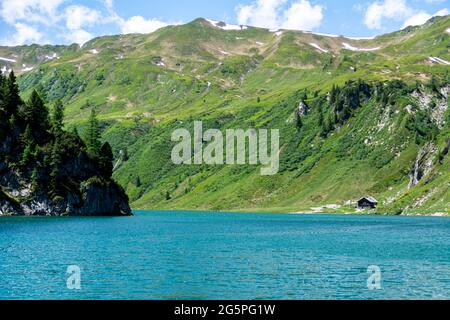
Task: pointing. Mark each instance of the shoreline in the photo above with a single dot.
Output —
(256, 211)
(307, 213)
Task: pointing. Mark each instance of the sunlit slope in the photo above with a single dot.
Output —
(145, 86)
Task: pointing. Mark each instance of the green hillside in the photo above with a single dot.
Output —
(375, 122)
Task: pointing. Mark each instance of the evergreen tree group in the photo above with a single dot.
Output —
(36, 144)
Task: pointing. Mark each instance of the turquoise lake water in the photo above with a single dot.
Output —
(186, 255)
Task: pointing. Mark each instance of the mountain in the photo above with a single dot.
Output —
(357, 117)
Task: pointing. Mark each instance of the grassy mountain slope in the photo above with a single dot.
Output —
(373, 140)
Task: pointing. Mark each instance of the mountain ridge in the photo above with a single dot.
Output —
(146, 86)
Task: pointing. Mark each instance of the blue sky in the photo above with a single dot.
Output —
(68, 21)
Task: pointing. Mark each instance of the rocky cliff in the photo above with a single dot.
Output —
(47, 171)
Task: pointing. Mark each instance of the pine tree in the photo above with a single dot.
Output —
(298, 121)
(36, 114)
(125, 156)
(3, 118)
(304, 96)
(2, 91)
(106, 159)
(11, 95)
(93, 136)
(434, 84)
(320, 118)
(58, 118)
(42, 93)
(29, 146)
(75, 132)
(35, 179)
(138, 182)
(55, 164)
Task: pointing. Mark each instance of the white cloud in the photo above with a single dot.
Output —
(262, 13)
(33, 11)
(398, 10)
(79, 36)
(72, 22)
(441, 13)
(78, 17)
(139, 24)
(109, 4)
(417, 19)
(388, 9)
(303, 16)
(272, 14)
(24, 34)
(422, 17)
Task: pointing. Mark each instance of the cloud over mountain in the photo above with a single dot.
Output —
(276, 14)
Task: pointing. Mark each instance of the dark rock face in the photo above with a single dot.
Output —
(86, 193)
(47, 171)
(94, 198)
(303, 109)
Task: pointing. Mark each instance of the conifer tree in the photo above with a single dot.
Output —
(58, 118)
(93, 135)
(11, 95)
(3, 118)
(2, 91)
(298, 121)
(55, 163)
(35, 179)
(106, 158)
(28, 147)
(138, 182)
(40, 90)
(36, 114)
(320, 118)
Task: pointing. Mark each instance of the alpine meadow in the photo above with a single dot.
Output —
(356, 117)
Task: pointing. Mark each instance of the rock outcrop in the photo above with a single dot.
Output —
(423, 163)
(92, 197)
(46, 171)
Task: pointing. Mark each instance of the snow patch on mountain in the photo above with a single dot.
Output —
(93, 51)
(322, 34)
(360, 38)
(52, 57)
(27, 69)
(259, 43)
(315, 45)
(448, 30)
(438, 60)
(352, 48)
(7, 60)
(5, 70)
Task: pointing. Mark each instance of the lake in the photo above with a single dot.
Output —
(188, 255)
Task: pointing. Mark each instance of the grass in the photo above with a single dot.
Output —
(140, 102)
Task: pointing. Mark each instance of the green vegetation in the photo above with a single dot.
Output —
(374, 120)
(36, 145)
